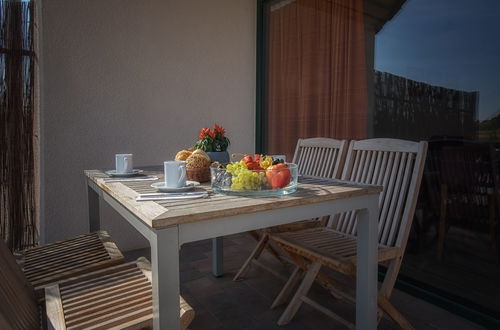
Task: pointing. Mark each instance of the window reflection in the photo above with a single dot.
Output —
(415, 70)
(438, 79)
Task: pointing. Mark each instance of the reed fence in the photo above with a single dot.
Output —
(412, 110)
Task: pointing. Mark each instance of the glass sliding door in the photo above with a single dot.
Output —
(414, 70)
(437, 78)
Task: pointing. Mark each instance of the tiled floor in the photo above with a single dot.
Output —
(221, 303)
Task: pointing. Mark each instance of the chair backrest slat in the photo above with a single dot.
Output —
(361, 166)
(351, 223)
(327, 156)
(414, 189)
(383, 166)
(389, 192)
(321, 157)
(371, 167)
(397, 165)
(401, 200)
(398, 192)
(388, 184)
(316, 160)
(307, 160)
(365, 166)
(18, 307)
(324, 156)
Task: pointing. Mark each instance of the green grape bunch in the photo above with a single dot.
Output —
(245, 179)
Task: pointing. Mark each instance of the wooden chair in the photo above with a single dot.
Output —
(321, 157)
(468, 190)
(116, 297)
(50, 263)
(396, 165)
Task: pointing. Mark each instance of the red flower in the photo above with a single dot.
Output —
(219, 129)
(212, 139)
(203, 133)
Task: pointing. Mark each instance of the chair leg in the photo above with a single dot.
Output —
(302, 265)
(322, 278)
(276, 254)
(393, 313)
(386, 291)
(304, 287)
(288, 288)
(257, 251)
(390, 278)
(493, 225)
(255, 235)
(442, 221)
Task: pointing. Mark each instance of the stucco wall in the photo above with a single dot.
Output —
(141, 77)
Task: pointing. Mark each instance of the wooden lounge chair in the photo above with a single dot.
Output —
(397, 165)
(50, 263)
(118, 297)
(321, 157)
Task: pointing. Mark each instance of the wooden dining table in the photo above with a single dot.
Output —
(168, 224)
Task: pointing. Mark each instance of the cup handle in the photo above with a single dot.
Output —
(126, 163)
(182, 177)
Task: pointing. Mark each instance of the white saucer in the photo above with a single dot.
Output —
(162, 187)
(114, 173)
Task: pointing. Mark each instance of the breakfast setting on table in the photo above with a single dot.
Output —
(203, 192)
(208, 161)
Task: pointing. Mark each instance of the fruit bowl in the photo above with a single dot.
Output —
(239, 180)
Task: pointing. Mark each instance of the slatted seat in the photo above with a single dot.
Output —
(396, 165)
(53, 262)
(118, 297)
(320, 157)
(336, 250)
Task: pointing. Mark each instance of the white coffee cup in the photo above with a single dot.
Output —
(124, 163)
(175, 174)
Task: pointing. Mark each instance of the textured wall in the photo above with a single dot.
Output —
(138, 77)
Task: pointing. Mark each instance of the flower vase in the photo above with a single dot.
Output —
(219, 156)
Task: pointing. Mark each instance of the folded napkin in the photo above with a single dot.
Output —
(167, 196)
(141, 178)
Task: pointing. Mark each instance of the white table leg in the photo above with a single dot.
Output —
(165, 272)
(217, 256)
(366, 277)
(93, 204)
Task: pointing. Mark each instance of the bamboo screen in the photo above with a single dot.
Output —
(412, 110)
(18, 207)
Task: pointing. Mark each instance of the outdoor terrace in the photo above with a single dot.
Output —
(221, 303)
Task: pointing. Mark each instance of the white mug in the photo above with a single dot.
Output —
(124, 163)
(175, 174)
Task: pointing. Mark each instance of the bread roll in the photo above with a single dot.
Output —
(183, 155)
(201, 153)
(197, 161)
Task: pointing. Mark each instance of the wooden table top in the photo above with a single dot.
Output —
(166, 213)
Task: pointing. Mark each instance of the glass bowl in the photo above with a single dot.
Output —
(271, 182)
